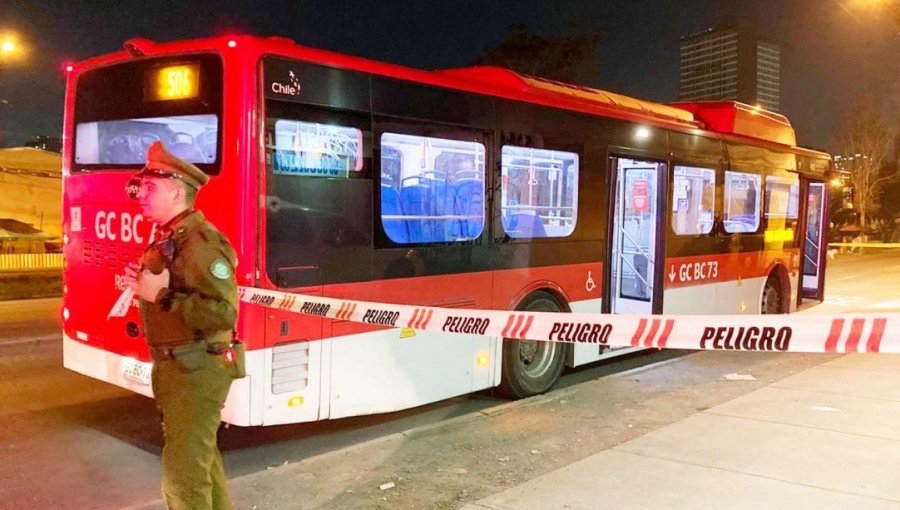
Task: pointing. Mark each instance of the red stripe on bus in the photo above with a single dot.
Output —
(875, 336)
(665, 334)
(351, 312)
(855, 332)
(636, 339)
(526, 327)
(837, 326)
(340, 310)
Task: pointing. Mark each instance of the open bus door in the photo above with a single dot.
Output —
(638, 228)
(815, 242)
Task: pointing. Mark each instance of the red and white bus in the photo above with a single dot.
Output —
(470, 188)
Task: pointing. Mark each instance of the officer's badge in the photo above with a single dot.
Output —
(220, 269)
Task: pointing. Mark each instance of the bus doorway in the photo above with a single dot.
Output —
(637, 223)
(815, 244)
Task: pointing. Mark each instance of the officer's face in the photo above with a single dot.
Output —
(160, 199)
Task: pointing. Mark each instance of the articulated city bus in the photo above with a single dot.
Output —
(469, 188)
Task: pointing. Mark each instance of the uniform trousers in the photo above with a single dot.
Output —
(190, 387)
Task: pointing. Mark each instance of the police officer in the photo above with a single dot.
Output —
(188, 303)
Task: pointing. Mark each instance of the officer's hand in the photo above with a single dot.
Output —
(149, 284)
(131, 275)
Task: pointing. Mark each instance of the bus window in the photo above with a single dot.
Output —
(539, 195)
(741, 202)
(125, 142)
(313, 149)
(693, 200)
(432, 189)
(782, 197)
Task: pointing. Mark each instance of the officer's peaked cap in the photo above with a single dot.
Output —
(162, 163)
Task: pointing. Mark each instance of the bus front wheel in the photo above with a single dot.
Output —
(531, 367)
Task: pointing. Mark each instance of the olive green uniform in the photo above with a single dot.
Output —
(188, 328)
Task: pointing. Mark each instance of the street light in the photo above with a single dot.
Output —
(11, 49)
(10, 52)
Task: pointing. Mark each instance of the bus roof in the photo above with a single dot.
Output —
(725, 118)
(505, 78)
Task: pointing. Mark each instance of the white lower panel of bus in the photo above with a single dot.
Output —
(111, 367)
(380, 372)
(732, 297)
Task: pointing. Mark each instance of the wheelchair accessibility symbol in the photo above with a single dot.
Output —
(589, 284)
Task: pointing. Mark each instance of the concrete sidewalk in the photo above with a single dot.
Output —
(828, 437)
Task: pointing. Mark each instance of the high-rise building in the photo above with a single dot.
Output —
(731, 63)
(47, 143)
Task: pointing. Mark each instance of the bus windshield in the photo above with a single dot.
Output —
(122, 109)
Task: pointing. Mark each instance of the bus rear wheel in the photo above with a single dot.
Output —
(531, 367)
(771, 297)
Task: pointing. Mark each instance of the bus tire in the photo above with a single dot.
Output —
(772, 301)
(531, 367)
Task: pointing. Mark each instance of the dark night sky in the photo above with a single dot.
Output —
(833, 52)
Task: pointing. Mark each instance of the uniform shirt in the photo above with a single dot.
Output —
(201, 300)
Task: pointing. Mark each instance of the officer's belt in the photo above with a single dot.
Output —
(172, 351)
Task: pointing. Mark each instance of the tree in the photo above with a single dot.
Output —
(890, 210)
(865, 137)
(566, 59)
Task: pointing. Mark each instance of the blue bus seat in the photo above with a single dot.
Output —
(442, 204)
(470, 202)
(415, 199)
(396, 229)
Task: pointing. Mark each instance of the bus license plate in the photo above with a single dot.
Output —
(137, 371)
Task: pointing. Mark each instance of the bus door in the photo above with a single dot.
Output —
(816, 242)
(636, 243)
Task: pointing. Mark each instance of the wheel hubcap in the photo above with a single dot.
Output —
(771, 300)
(536, 357)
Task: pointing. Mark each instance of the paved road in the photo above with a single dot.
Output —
(29, 319)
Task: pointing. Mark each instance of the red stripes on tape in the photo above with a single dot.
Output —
(855, 334)
(420, 318)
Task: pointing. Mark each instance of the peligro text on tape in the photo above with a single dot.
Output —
(785, 333)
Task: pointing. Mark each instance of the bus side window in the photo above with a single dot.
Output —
(539, 192)
(741, 202)
(316, 150)
(693, 200)
(782, 197)
(432, 189)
